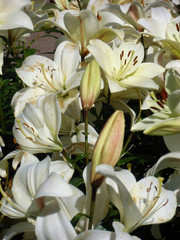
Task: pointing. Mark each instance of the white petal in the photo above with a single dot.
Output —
(96, 234)
(53, 224)
(124, 196)
(19, 228)
(27, 180)
(54, 186)
(25, 95)
(67, 57)
(170, 160)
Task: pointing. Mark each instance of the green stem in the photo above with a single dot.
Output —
(93, 198)
(86, 134)
(127, 142)
(64, 153)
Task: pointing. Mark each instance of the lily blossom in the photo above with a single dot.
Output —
(12, 15)
(81, 27)
(166, 109)
(123, 65)
(42, 75)
(31, 179)
(36, 128)
(149, 202)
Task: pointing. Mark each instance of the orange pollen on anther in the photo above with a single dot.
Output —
(25, 124)
(10, 183)
(164, 94)
(149, 189)
(53, 70)
(166, 202)
(48, 68)
(135, 59)
(155, 198)
(121, 55)
(125, 62)
(129, 53)
(8, 195)
(14, 141)
(135, 62)
(39, 69)
(160, 104)
(99, 17)
(29, 138)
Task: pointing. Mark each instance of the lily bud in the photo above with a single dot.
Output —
(108, 146)
(90, 84)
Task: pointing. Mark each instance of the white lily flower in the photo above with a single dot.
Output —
(32, 181)
(170, 160)
(163, 27)
(123, 65)
(43, 75)
(12, 16)
(53, 224)
(166, 108)
(149, 202)
(81, 27)
(36, 128)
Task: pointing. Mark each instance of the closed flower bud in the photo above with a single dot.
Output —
(90, 84)
(108, 146)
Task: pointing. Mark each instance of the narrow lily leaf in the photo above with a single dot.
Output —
(109, 145)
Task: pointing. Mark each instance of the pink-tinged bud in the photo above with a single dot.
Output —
(108, 146)
(90, 84)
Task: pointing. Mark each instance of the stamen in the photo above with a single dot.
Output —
(129, 53)
(135, 62)
(39, 70)
(177, 27)
(99, 17)
(166, 202)
(5, 195)
(135, 59)
(149, 189)
(121, 55)
(27, 137)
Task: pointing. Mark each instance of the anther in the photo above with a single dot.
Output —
(25, 124)
(177, 27)
(166, 202)
(135, 59)
(149, 189)
(39, 69)
(129, 53)
(99, 17)
(135, 62)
